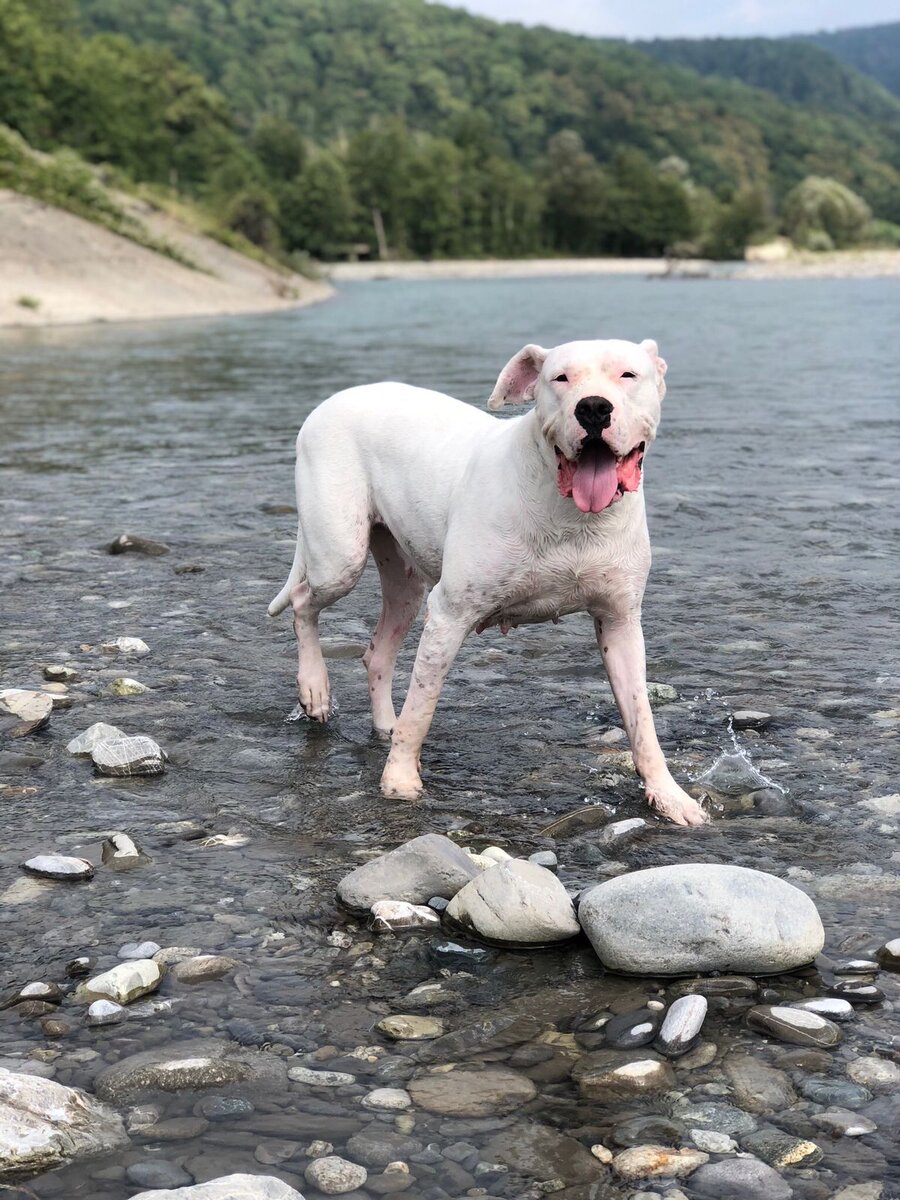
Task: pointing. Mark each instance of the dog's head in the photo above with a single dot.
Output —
(598, 404)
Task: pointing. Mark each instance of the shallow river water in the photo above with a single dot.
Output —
(774, 504)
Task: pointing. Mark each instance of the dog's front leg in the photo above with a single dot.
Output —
(441, 639)
(621, 641)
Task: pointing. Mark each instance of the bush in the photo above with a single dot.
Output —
(253, 213)
(882, 233)
(820, 206)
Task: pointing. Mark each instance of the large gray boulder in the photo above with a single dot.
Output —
(740, 1179)
(517, 903)
(190, 1066)
(44, 1125)
(229, 1187)
(430, 865)
(701, 917)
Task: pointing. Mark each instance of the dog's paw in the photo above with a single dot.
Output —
(399, 782)
(674, 803)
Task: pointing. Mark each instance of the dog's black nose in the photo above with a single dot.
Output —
(593, 414)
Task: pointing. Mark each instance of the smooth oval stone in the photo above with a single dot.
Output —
(889, 955)
(843, 1123)
(681, 1026)
(105, 1012)
(857, 966)
(610, 1074)
(832, 1007)
(59, 866)
(633, 1029)
(793, 1025)
(619, 832)
(701, 917)
(495, 1091)
(857, 993)
(637, 1131)
(822, 1090)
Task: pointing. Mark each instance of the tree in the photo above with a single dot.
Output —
(253, 213)
(735, 223)
(578, 202)
(821, 213)
(279, 147)
(317, 209)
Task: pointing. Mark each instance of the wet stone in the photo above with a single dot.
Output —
(134, 950)
(188, 1066)
(758, 1087)
(124, 686)
(410, 1028)
(657, 1162)
(842, 1122)
(128, 647)
(617, 1075)
(335, 1176)
(710, 1114)
(681, 1026)
(633, 1029)
(456, 956)
(740, 1179)
(387, 1099)
(515, 902)
(543, 1152)
(122, 853)
(204, 968)
(223, 1108)
(326, 1079)
(158, 1173)
(889, 955)
(105, 1012)
(78, 968)
(793, 1025)
(397, 916)
(780, 1150)
(750, 718)
(824, 1090)
(84, 743)
(127, 756)
(730, 987)
(857, 992)
(712, 1142)
(134, 543)
(833, 1008)
(124, 983)
(59, 866)
(619, 832)
(376, 1147)
(465, 1093)
(479, 1038)
(23, 711)
(544, 858)
(876, 1074)
(59, 673)
(857, 966)
(430, 865)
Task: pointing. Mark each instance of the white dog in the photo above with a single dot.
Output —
(507, 522)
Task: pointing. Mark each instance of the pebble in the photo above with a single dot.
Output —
(544, 858)
(630, 1030)
(495, 1091)
(712, 1142)
(48, 992)
(59, 673)
(410, 1028)
(169, 955)
(661, 693)
(127, 756)
(749, 718)
(793, 1025)
(617, 833)
(844, 1123)
(833, 1008)
(616, 1075)
(124, 686)
(710, 1114)
(394, 916)
(203, 968)
(158, 1173)
(876, 1074)
(681, 1027)
(334, 1176)
(654, 1162)
(740, 1179)
(105, 1012)
(387, 1099)
(99, 732)
(52, 1028)
(128, 647)
(79, 968)
(856, 992)
(328, 1079)
(857, 966)
(889, 955)
(438, 903)
(124, 983)
(132, 543)
(59, 866)
(23, 711)
(132, 950)
(824, 1090)
(122, 853)
(223, 1108)
(757, 1087)
(781, 1150)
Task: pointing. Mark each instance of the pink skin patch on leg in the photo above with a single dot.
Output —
(597, 479)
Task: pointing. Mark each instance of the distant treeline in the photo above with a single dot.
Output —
(333, 127)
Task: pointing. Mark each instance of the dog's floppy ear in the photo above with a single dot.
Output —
(518, 377)
(652, 349)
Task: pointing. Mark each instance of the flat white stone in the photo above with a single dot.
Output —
(388, 1099)
(59, 866)
(320, 1078)
(126, 982)
(129, 647)
(128, 756)
(98, 732)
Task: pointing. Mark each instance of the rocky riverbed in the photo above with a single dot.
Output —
(175, 950)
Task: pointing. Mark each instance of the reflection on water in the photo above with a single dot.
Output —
(773, 497)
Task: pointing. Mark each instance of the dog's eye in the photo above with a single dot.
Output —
(629, 375)
(561, 379)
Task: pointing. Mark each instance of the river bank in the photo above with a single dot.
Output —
(847, 264)
(59, 269)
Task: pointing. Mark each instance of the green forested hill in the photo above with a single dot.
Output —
(793, 70)
(319, 125)
(329, 66)
(874, 50)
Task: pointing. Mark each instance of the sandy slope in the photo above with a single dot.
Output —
(80, 272)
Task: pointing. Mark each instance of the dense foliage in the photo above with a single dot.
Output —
(326, 126)
(821, 214)
(874, 50)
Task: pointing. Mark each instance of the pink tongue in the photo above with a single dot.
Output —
(596, 481)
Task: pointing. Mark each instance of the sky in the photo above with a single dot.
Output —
(702, 18)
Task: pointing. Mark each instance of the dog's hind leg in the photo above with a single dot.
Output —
(401, 598)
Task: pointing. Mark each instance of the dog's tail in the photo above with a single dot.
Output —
(298, 569)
